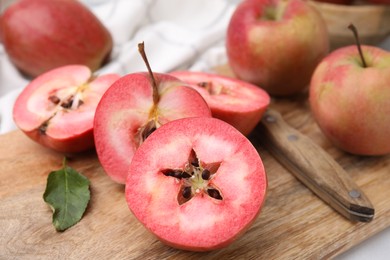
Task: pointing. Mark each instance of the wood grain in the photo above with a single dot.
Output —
(294, 223)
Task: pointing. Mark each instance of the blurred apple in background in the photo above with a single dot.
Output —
(276, 44)
(350, 99)
(39, 35)
(339, 2)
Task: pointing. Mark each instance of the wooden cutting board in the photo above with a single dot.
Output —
(294, 223)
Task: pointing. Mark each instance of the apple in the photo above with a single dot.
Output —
(39, 35)
(57, 108)
(133, 108)
(196, 184)
(349, 97)
(236, 102)
(276, 44)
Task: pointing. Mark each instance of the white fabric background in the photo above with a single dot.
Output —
(178, 34)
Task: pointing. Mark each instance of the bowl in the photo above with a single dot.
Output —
(372, 22)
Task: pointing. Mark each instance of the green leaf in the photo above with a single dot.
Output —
(67, 192)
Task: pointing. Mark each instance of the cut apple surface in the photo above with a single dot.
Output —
(57, 108)
(196, 183)
(130, 111)
(236, 102)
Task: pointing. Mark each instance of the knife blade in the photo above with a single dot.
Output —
(314, 167)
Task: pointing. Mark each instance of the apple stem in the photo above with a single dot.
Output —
(141, 49)
(355, 33)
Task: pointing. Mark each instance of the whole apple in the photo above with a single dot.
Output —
(40, 35)
(350, 102)
(276, 44)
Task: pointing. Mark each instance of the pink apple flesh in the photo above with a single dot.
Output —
(276, 44)
(236, 102)
(57, 108)
(202, 221)
(126, 115)
(351, 103)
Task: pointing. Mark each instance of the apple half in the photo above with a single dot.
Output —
(57, 108)
(196, 183)
(234, 101)
(132, 109)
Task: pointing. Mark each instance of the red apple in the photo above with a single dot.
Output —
(236, 102)
(196, 183)
(57, 108)
(127, 114)
(276, 44)
(351, 102)
(40, 35)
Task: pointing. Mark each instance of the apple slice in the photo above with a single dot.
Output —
(196, 183)
(57, 108)
(236, 102)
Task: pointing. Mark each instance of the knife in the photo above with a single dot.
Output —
(314, 167)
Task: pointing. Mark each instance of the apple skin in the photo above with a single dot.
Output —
(68, 130)
(201, 223)
(234, 101)
(127, 107)
(350, 103)
(39, 35)
(279, 54)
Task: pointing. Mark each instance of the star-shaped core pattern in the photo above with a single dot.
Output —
(196, 179)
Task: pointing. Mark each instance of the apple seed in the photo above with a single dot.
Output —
(212, 88)
(206, 174)
(187, 192)
(54, 99)
(214, 193)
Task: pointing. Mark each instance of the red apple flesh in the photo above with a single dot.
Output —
(196, 183)
(127, 114)
(351, 103)
(57, 108)
(39, 35)
(236, 102)
(276, 44)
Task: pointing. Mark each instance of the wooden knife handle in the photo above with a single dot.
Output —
(314, 167)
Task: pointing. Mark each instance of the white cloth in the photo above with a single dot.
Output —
(178, 34)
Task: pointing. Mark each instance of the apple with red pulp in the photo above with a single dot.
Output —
(276, 44)
(135, 106)
(40, 35)
(196, 183)
(57, 108)
(350, 99)
(234, 101)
